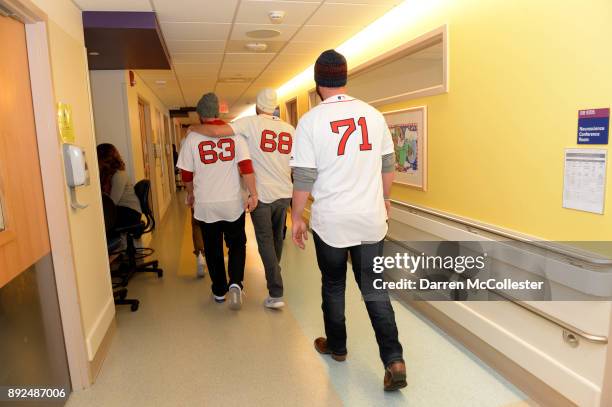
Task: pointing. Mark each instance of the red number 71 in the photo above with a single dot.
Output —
(350, 129)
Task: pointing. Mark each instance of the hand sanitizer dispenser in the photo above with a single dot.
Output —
(76, 171)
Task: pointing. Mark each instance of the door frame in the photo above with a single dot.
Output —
(56, 205)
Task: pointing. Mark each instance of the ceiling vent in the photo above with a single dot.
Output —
(263, 33)
(256, 46)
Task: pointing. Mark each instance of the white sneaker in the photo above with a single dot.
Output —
(274, 303)
(201, 266)
(235, 297)
(219, 299)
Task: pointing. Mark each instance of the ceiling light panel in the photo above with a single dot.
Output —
(195, 31)
(206, 11)
(257, 12)
(286, 31)
(114, 5)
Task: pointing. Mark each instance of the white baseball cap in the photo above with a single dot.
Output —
(266, 100)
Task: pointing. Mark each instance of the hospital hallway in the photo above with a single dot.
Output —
(183, 349)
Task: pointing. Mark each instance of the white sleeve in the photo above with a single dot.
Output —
(185, 158)
(303, 154)
(387, 140)
(242, 149)
(240, 126)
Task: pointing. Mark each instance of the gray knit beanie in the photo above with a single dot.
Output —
(208, 106)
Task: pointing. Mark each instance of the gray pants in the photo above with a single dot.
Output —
(269, 222)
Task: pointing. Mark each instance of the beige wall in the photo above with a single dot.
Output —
(142, 91)
(116, 114)
(71, 85)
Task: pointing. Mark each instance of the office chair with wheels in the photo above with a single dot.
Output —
(113, 243)
(133, 254)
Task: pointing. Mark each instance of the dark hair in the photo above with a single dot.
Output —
(109, 162)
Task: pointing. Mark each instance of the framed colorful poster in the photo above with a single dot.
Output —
(409, 132)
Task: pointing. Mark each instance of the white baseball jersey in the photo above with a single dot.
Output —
(217, 185)
(270, 140)
(345, 139)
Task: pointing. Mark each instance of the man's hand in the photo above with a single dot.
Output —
(299, 232)
(251, 203)
(190, 199)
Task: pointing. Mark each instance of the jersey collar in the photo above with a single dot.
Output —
(268, 116)
(338, 98)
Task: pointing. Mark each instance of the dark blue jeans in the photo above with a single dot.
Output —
(332, 263)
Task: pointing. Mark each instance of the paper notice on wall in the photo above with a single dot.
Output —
(584, 182)
(64, 122)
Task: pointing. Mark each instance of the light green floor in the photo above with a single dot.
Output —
(182, 349)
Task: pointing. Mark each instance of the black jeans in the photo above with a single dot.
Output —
(269, 220)
(332, 262)
(235, 238)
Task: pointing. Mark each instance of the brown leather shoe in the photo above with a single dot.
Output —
(320, 345)
(395, 376)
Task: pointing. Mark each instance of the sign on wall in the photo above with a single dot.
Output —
(584, 180)
(593, 126)
(408, 129)
(65, 123)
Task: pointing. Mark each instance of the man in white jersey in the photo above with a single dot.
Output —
(344, 156)
(270, 140)
(211, 169)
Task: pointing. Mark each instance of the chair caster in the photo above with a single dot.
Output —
(160, 273)
(134, 306)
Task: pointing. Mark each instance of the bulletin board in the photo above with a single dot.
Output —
(408, 129)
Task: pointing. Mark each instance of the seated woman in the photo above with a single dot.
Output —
(115, 183)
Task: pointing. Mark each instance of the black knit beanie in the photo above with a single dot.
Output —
(330, 69)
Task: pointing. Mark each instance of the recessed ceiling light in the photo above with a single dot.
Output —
(256, 46)
(263, 33)
(276, 17)
(160, 82)
(94, 53)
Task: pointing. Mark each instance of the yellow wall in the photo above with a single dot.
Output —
(519, 72)
(70, 82)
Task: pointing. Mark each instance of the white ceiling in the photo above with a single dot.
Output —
(206, 39)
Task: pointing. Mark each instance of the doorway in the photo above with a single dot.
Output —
(148, 151)
(169, 155)
(30, 322)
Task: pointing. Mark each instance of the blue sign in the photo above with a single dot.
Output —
(593, 126)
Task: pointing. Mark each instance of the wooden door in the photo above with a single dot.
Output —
(169, 157)
(24, 238)
(142, 118)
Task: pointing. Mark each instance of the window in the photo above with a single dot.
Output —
(313, 99)
(415, 69)
(291, 114)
